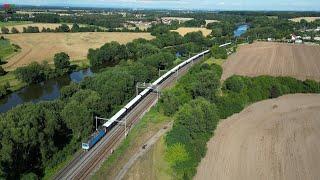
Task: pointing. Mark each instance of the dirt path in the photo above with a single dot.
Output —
(272, 139)
(274, 59)
(142, 151)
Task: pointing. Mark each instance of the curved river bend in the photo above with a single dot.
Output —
(45, 91)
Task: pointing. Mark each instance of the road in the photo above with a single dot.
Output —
(85, 163)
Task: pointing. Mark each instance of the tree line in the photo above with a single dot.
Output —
(36, 138)
(198, 101)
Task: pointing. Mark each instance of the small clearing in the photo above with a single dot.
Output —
(185, 30)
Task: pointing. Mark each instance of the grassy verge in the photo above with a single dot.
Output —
(212, 60)
(151, 165)
(81, 63)
(13, 23)
(151, 123)
(15, 84)
(6, 48)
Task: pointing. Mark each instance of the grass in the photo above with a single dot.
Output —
(6, 49)
(15, 84)
(152, 165)
(146, 127)
(13, 23)
(81, 63)
(212, 60)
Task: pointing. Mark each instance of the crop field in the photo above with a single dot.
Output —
(309, 19)
(275, 59)
(39, 25)
(272, 139)
(184, 30)
(42, 46)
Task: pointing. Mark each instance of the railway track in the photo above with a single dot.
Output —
(84, 164)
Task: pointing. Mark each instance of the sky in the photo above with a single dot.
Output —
(300, 5)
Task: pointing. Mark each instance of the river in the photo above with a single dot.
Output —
(45, 91)
(241, 30)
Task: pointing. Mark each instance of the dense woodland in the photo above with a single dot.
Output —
(35, 138)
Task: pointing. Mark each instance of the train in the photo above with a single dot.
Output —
(96, 137)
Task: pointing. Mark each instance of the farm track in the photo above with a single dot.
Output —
(274, 59)
(84, 165)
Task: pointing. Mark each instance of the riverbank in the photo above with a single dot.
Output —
(20, 92)
(16, 85)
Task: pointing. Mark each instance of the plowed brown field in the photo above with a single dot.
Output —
(42, 46)
(275, 59)
(272, 139)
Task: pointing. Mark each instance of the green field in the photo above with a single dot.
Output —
(6, 48)
(15, 84)
(13, 23)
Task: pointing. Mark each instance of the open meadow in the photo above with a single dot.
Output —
(275, 59)
(272, 139)
(42, 46)
(184, 30)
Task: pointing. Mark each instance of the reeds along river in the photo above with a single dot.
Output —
(45, 91)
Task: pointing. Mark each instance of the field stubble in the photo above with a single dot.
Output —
(42, 46)
(275, 59)
(272, 139)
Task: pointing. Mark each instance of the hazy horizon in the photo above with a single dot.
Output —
(251, 5)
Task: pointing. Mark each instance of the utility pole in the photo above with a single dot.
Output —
(141, 85)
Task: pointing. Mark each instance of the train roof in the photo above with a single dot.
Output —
(133, 101)
(115, 117)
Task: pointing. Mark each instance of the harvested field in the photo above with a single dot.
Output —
(184, 30)
(39, 25)
(272, 139)
(42, 46)
(309, 19)
(275, 59)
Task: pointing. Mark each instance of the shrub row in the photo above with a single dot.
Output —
(198, 102)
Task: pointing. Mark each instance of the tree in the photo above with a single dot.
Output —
(63, 28)
(2, 71)
(68, 91)
(4, 30)
(219, 52)
(75, 28)
(32, 73)
(61, 61)
(235, 84)
(14, 30)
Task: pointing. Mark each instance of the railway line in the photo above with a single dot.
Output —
(85, 163)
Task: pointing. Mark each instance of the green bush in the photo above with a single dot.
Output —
(235, 84)
(219, 52)
(61, 61)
